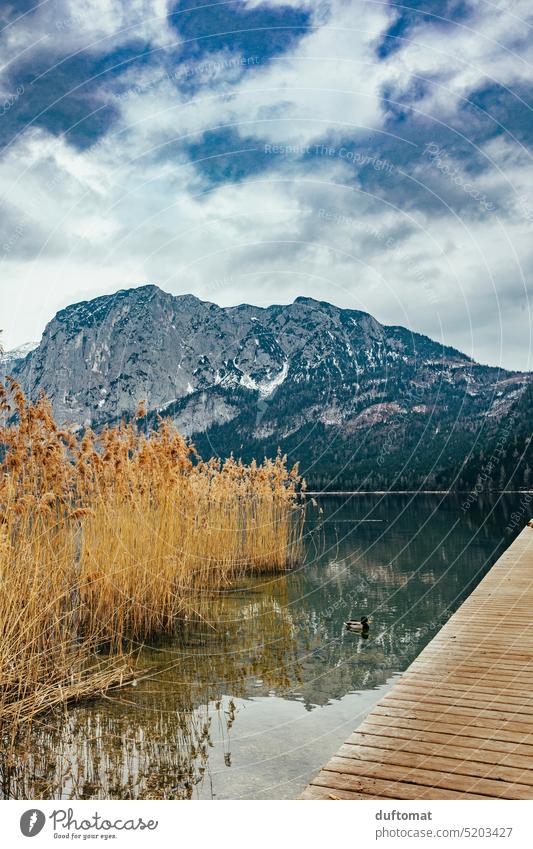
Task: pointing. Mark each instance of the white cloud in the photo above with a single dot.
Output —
(134, 209)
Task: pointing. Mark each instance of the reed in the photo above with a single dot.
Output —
(155, 740)
(107, 539)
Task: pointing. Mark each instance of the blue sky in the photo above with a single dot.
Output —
(373, 154)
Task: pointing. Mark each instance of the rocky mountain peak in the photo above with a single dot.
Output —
(263, 373)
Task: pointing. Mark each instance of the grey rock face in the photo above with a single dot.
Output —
(9, 360)
(279, 367)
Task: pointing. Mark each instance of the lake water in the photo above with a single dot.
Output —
(253, 701)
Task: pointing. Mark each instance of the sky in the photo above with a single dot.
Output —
(375, 155)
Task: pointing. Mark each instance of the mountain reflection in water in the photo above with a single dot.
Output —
(253, 696)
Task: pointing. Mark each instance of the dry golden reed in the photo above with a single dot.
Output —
(107, 539)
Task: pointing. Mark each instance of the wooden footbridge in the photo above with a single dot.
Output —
(458, 724)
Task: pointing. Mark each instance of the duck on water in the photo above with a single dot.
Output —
(360, 626)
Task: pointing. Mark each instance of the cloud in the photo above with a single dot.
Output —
(409, 18)
(262, 29)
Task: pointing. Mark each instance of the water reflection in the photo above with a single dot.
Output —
(237, 704)
(152, 740)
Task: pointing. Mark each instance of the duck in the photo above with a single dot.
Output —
(361, 626)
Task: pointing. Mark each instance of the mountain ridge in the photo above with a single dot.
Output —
(248, 378)
(188, 297)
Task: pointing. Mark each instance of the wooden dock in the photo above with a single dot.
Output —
(458, 724)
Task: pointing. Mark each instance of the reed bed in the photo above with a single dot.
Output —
(155, 740)
(108, 539)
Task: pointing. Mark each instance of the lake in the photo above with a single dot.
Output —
(262, 686)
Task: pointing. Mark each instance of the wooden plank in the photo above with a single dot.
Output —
(457, 765)
(430, 778)
(458, 724)
(441, 733)
(487, 645)
(314, 791)
(386, 789)
(430, 746)
(465, 687)
(508, 659)
(494, 671)
(470, 706)
(479, 732)
(442, 665)
(466, 677)
(452, 715)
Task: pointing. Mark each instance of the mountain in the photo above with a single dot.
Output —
(505, 458)
(359, 403)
